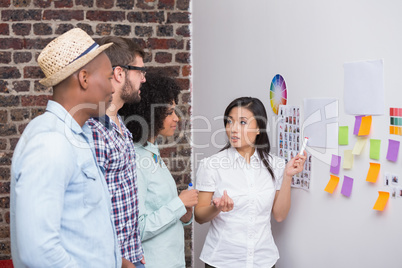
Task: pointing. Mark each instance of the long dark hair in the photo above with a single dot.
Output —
(261, 143)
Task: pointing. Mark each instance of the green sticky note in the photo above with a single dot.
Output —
(343, 135)
(375, 146)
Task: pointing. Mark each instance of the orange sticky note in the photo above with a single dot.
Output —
(391, 130)
(333, 182)
(373, 172)
(381, 200)
(365, 126)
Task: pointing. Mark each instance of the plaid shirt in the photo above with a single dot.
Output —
(115, 154)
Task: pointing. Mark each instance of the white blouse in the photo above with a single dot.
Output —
(241, 237)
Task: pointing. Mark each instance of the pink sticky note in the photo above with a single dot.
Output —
(393, 149)
(347, 186)
(335, 164)
(358, 121)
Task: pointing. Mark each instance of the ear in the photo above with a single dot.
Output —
(83, 77)
(119, 74)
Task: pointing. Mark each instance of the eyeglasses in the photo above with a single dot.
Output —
(143, 70)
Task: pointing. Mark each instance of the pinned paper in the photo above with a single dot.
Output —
(333, 182)
(348, 159)
(375, 146)
(335, 164)
(393, 149)
(365, 126)
(395, 130)
(343, 135)
(381, 200)
(347, 186)
(373, 172)
(359, 145)
(358, 121)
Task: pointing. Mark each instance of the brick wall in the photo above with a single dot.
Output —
(162, 27)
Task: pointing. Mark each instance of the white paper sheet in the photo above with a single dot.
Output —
(321, 122)
(364, 88)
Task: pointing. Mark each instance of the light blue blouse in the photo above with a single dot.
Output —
(160, 209)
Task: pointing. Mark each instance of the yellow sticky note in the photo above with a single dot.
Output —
(381, 200)
(348, 159)
(373, 172)
(333, 182)
(365, 126)
(359, 145)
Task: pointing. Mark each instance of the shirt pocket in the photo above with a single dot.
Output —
(93, 191)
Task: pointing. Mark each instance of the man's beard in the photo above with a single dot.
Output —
(128, 95)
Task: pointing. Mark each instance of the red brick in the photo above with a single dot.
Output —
(63, 4)
(86, 27)
(33, 72)
(21, 28)
(166, 4)
(107, 4)
(122, 30)
(7, 217)
(13, 143)
(42, 3)
(182, 57)
(42, 29)
(146, 17)
(168, 152)
(85, 3)
(164, 30)
(172, 71)
(36, 112)
(22, 57)
(20, 114)
(9, 101)
(163, 57)
(22, 127)
(4, 189)
(5, 3)
(20, 15)
(21, 3)
(4, 203)
(183, 83)
(34, 100)
(145, 4)
(14, 43)
(105, 16)
(178, 17)
(7, 130)
(186, 70)
(4, 173)
(183, 4)
(186, 98)
(9, 73)
(4, 29)
(3, 116)
(156, 43)
(63, 15)
(103, 29)
(125, 4)
(62, 28)
(3, 146)
(144, 31)
(5, 57)
(183, 31)
(38, 87)
(38, 43)
(21, 86)
(4, 86)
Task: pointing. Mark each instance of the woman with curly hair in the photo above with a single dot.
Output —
(162, 211)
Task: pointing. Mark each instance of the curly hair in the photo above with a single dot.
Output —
(145, 119)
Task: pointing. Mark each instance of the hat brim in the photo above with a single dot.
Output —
(59, 76)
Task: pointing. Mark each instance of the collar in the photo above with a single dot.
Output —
(150, 147)
(58, 110)
(235, 156)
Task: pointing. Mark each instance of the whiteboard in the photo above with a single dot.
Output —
(239, 46)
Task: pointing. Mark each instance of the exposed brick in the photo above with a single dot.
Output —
(62, 28)
(3, 86)
(42, 3)
(147, 57)
(36, 112)
(103, 29)
(14, 43)
(4, 189)
(20, 114)
(5, 173)
(3, 145)
(21, 15)
(163, 57)
(38, 87)
(184, 84)
(85, 3)
(34, 100)
(4, 203)
(183, 4)
(177, 178)
(42, 29)
(5, 247)
(146, 17)
(107, 4)
(183, 31)
(183, 57)
(86, 27)
(164, 30)
(155, 43)
(21, 3)
(3, 116)
(21, 86)
(178, 17)
(145, 4)
(143, 31)
(63, 15)
(5, 3)
(7, 217)
(4, 29)
(188, 45)
(9, 73)
(5, 57)
(185, 152)
(38, 43)
(172, 71)
(63, 3)
(13, 143)
(21, 28)
(33, 72)
(106, 16)
(168, 152)
(122, 30)
(125, 4)
(166, 4)
(186, 70)
(7, 130)
(21, 128)
(22, 57)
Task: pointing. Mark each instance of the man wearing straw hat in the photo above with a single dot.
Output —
(60, 204)
(115, 148)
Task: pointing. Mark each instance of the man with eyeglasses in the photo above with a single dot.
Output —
(115, 149)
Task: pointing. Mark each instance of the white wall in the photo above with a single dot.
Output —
(238, 47)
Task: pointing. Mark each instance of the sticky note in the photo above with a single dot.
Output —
(333, 182)
(393, 149)
(359, 145)
(347, 186)
(358, 121)
(335, 164)
(343, 135)
(375, 146)
(381, 200)
(373, 172)
(365, 126)
(348, 159)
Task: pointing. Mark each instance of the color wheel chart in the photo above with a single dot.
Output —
(278, 92)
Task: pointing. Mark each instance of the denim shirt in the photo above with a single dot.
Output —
(60, 207)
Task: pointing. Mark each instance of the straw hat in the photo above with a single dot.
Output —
(67, 54)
